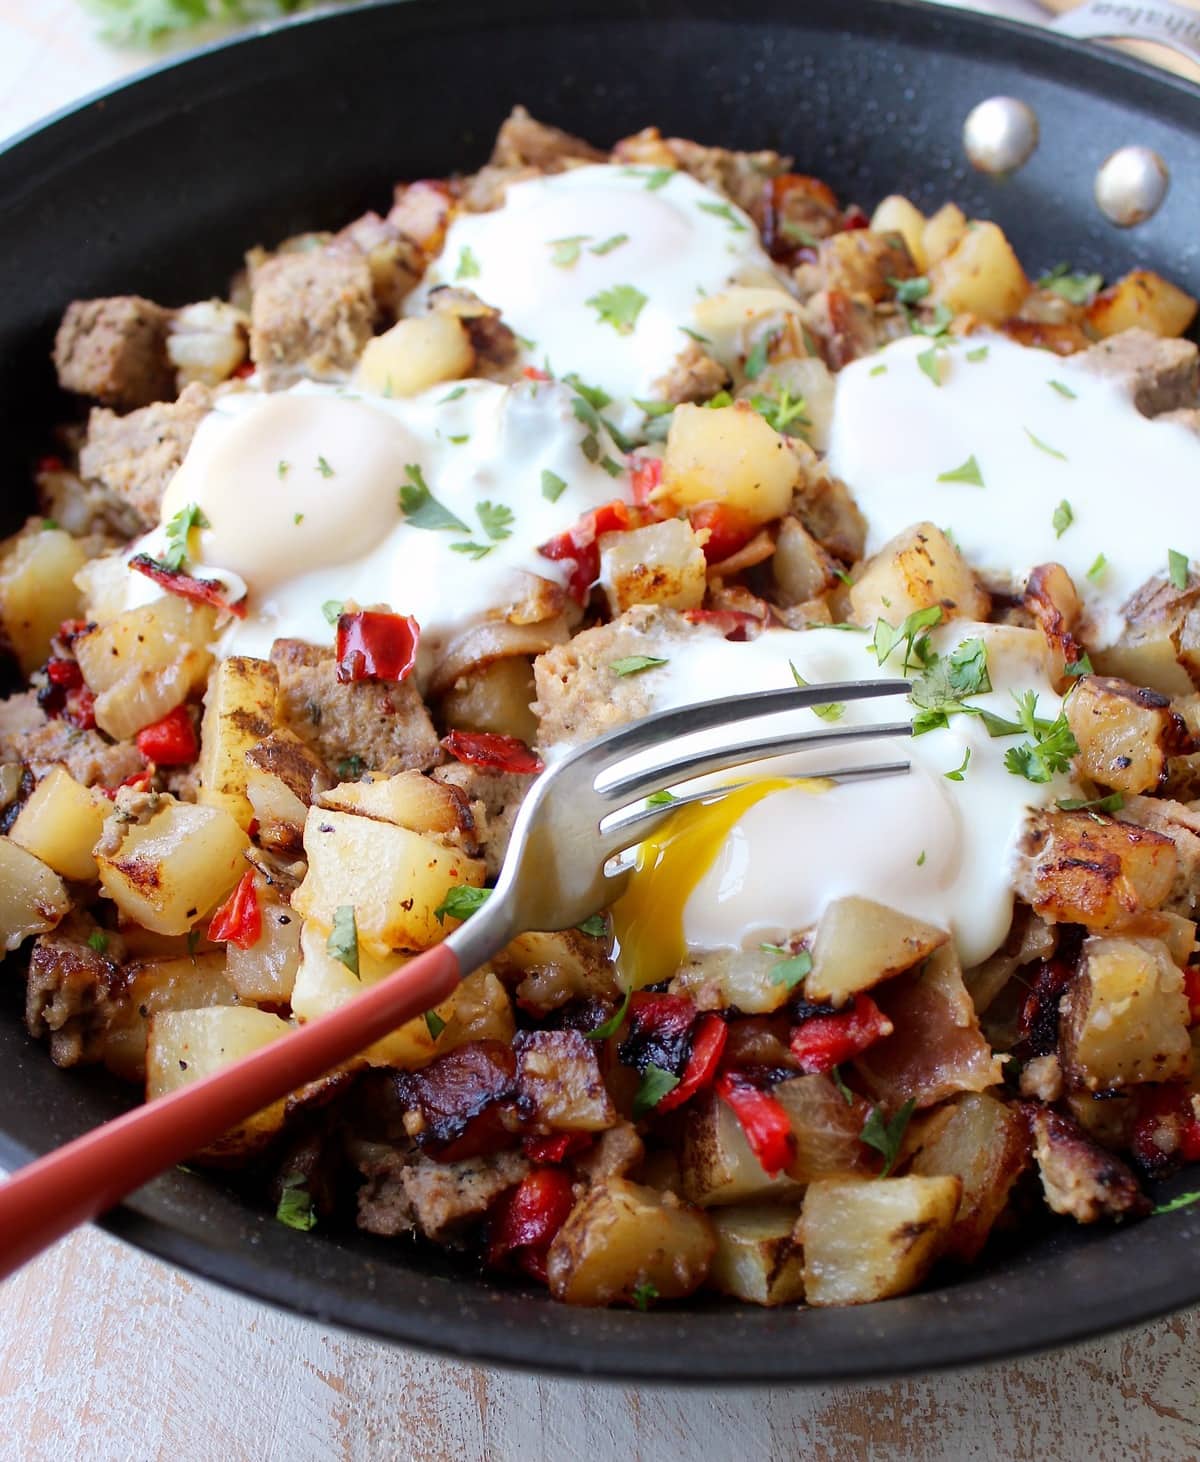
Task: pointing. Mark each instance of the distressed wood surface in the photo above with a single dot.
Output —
(105, 1354)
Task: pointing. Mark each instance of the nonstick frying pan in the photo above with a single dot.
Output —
(157, 188)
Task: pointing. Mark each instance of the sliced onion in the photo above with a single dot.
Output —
(495, 639)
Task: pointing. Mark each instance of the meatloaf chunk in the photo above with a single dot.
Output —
(741, 176)
(311, 314)
(115, 350)
(26, 735)
(1159, 375)
(695, 376)
(524, 142)
(1079, 1178)
(132, 458)
(580, 697)
(407, 1193)
(496, 799)
(385, 726)
(69, 996)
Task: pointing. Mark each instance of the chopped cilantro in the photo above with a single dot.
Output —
(611, 466)
(474, 551)
(614, 1022)
(608, 245)
(661, 799)
(656, 1083)
(941, 689)
(421, 508)
(788, 415)
(1183, 1200)
(324, 468)
(911, 633)
(886, 1136)
(725, 211)
(434, 1024)
(840, 1082)
(297, 519)
(909, 291)
(179, 530)
(930, 362)
(655, 178)
(696, 335)
(879, 370)
(1062, 390)
(458, 441)
(619, 307)
(1099, 564)
(936, 327)
(461, 902)
(98, 941)
(468, 264)
(1050, 747)
(1062, 519)
(634, 664)
(1082, 666)
(282, 469)
(1044, 446)
(455, 395)
(332, 610)
(553, 486)
(829, 710)
(969, 472)
(1112, 803)
(342, 943)
(798, 235)
(756, 361)
(496, 520)
(295, 1207)
(921, 856)
(1177, 568)
(654, 408)
(792, 968)
(565, 252)
(1078, 289)
(978, 354)
(595, 926)
(643, 1295)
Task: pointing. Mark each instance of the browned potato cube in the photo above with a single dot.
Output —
(662, 563)
(1125, 733)
(717, 1165)
(1076, 870)
(758, 1257)
(239, 711)
(869, 1240)
(826, 1127)
(860, 943)
(559, 1076)
(1080, 1179)
(1160, 640)
(981, 275)
(1141, 300)
(496, 697)
(915, 570)
(1125, 1017)
(861, 261)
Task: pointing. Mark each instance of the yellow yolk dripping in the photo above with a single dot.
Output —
(648, 917)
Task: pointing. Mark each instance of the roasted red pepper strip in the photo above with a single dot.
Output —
(239, 919)
(767, 1126)
(528, 1216)
(175, 581)
(1166, 1127)
(645, 475)
(557, 1147)
(824, 1041)
(495, 753)
(1191, 988)
(65, 673)
(728, 529)
(531, 373)
(708, 1043)
(170, 742)
(579, 544)
(140, 780)
(734, 624)
(372, 645)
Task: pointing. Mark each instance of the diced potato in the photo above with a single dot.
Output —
(1158, 644)
(717, 1165)
(1080, 1179)
(1077, 870)
(916, 570)
(393, 878)
(826, 1127)
(729, 320)
(860, 943)
(1125, 732)
(942, 232)
(1141, 300)
(549, 969)
(741, 977)
(621, 1236)
(37, 590)
(560, 1078)
(729, 455)
(801, 568)
(61, 823)
(415, 354)
(33, 898)
(265, 973)
(758, 1257)
(860, 261)
(186, 1045)
(870, 1240)
(826, 507)
(479, 1010)
(1125, 1017)
(239, 711)
(282, 778)
(984, 1144)
(170, 871)
(409, 799)
(207, 342)
(897, 215)
(496, 697)
(981, 276)
(189, 982)
(661, 563)
(1176, 932)
(146, 661)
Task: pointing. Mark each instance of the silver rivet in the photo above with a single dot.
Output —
(1000, 134)
(1131, 185)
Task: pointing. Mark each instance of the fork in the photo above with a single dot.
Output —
(561, 867)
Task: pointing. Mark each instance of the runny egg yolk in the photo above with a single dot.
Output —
(648, 917)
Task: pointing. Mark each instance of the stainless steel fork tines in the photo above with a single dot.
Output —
(590, 805)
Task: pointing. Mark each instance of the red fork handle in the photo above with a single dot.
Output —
(46, 1199)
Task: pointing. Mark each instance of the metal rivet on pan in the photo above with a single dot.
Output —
(1131, 185)
(1000, 134)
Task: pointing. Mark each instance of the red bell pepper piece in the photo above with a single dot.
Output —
(708, 1043)
(1166, 1127)
(64, 673)
(51, 463)
(239, 919)
(557, 1147)
(528, 1216)
(734, 624)
(140, 780)
(767, 1126)
(579, 545)
(531, 373)
(372, 645)
(493, 752)
(825, 1041)
(170, 742)
(1191, 988)
(728, 529)
(645, 475)
(854, 218)
(175, 581)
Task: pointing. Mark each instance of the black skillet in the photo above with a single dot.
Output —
(158, 186)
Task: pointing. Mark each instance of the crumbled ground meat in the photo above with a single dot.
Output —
(363, 726)
(26, 735)
(311, 315)
(524, 142)
(496, 799)
(115, 350)
(132, 458)
(69, 995)
(694, 377)
(1080, 1179)
(407, 1193)
(1160, 375)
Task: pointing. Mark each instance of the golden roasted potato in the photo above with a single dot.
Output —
(1125, 1016)
(265, 973)
(662, 563)
(859, 944)
(742, 977)
(942, 233)
(826, 1127)
(409, 799)
(869, 1240)
(621, 1237)
(916, 570)
(1161, 644)
(168, 872)
(239, 711)
(497, 697)
(1141, 300)
(61, 823)
(560, 1078)
(729, 455)
(980, 276)
(758, 1257)
(182, 982)
(415, 354)
(717, 1166)
(37, 589)
(33, 898)
(282, 779)
(861, 261)
(1125, 733)
(897, 215)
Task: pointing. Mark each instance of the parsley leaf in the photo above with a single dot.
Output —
(455, 395)
(1050, 748)
(756, 361)
(595, 926)
(1044, 446)
(940, 691)
(886, 1136)
(282, 469)
(788, 415)
(969, 472)
(332, 610)
(608, 245)
(1112, 803)
(840, 1082)
(1098, 566)
(461, 902)
(661, 798)
(619, 307)
(98, 941)
(654, 408)
(879, 370)
(178, 532)
(829, 710)
(468, 264)
(614, 1022)
(565, 252)
(421, 508)
(910, 291)
(1183, 1200)
(1178, 568)
(324, 468)
(656, 1083)
(910, 633)
(655, 178)
(295, 1208)
(496, 520)
(1078, 289)
(1062, 519)
(725, 211)
(930, 362)
(634, 664)
(1082, 666)
(959, 771)
(643, 1294)
(553, 486)
(1062, 390)
(434, 1024)
(792, 968)
(975, 356)
(342, 943)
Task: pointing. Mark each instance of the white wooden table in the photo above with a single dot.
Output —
(105, 1354)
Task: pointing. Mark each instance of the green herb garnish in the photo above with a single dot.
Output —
(434, 1024)
(295, 1207)
(619, 307)
(886, 1136)
(1178, 568)
(421, 509)
(342, 943)
(634, 664)
(1044, 446)
(553, 486)
(1062, 519)
(969, 472)
(179, 530)
(656, 1083)
(468, 264)
(614, 1022)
